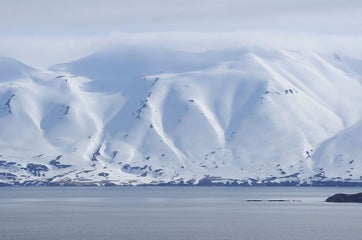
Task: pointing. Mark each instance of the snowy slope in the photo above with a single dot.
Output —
(141, 115)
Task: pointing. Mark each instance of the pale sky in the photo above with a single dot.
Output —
(45, 32)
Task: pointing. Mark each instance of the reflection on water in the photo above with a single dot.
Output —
(177, 213)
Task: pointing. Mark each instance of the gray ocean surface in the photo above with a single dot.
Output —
(175, 213)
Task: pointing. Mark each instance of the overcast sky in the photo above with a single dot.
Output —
(65, 29)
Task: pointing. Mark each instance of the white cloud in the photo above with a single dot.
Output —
(41, 32)
(93, 16)
(56, 49)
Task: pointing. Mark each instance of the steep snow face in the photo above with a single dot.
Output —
(141, 116)
(341, 154)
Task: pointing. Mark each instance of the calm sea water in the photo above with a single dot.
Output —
(175, 213)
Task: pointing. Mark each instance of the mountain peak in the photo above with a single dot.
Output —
(11, 68)
(157, 116)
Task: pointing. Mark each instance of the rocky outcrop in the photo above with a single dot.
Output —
(340, 197)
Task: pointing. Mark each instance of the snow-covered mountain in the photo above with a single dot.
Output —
(135, 115)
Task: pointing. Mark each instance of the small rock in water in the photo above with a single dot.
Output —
(341, 197)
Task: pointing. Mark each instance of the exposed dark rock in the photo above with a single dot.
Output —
(56, 163)
(103, 174)
(114, 154)
(7, 104)
(142, 171)
(136, 170)
(6, 164)
(96, 154)
(87, 171)
(67, 108)
(155, 81)
(321, 174)
(341, 197)
(143, 105)
(7, 176)
(35, 169)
